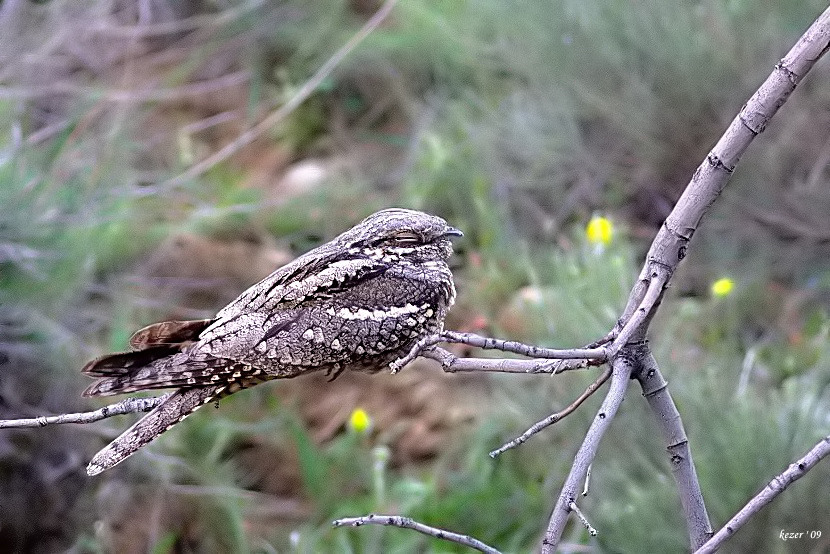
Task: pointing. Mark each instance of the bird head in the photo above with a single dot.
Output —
(397, 234)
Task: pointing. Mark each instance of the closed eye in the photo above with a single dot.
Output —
(407, 238)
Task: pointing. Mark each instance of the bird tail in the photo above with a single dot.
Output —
(172, 410)
(159, 359)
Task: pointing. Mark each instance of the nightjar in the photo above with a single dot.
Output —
(358, 302)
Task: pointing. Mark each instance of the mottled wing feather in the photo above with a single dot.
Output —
(235, 333)
(258, 294)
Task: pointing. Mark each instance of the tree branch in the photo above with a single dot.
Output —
(409, 523)
(656, 393)
(575, 509)
(126, 406)
(775, 487)
(595, 353)
(487, 343)
(621, 373)
(453, 364)
(551, 419)
(670, 245)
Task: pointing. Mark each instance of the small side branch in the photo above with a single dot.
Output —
(409, 523)
(775, 487)
(126, 406)
(551, 419)
(575, 509)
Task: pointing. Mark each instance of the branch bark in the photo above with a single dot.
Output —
(621, 373)
(409, 523)
(656, 392)
(126, 406)
(779, 484)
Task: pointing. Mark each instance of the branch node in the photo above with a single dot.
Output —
(717, 163)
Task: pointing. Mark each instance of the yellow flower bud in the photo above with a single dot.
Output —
(359, 421)
(600, 230)
(722, 287)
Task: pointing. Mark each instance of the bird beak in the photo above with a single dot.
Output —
(453, 232)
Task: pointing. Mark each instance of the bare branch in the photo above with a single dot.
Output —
(528, 350)
(551, 419)
(423, 345)
(598, 355)
(621, 373)
(656, 393)
(636, 324)
(453, 364)
(609, 337)
(775, 487)
(126, 406)
(670, 245)
(409, 523)
(278, 115)
(575, 509)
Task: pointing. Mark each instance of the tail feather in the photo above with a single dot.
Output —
(124, 363)
(130, 373)
(175, 408)
(158, 360)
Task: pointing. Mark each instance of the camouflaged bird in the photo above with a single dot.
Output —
(358, 302)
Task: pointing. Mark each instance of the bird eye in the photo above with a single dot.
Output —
(407, 238)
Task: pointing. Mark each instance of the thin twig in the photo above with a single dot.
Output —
(575, 509)
(609, 337)
(278, 115)
(551, 419)
(587, 480)
(409, 523)
(126, 406)
(417, 349)
(775, 487)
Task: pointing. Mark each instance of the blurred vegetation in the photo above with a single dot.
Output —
(516, 121)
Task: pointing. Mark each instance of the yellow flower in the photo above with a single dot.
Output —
(600, 230)
(359, 421)
(722, 287)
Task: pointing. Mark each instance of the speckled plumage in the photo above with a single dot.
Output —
(358, 302)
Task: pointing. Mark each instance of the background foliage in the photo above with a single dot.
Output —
(516, 121)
